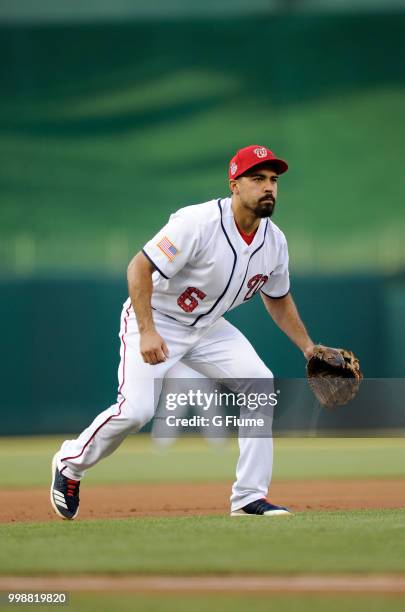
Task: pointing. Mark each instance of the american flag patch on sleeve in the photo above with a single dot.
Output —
(168, 248)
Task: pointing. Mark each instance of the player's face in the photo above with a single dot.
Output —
(257, 191)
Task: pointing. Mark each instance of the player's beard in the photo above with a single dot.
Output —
(265, 207)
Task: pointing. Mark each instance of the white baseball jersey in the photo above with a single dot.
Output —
(204, 268)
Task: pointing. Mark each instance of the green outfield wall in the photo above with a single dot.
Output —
(60, 345)
(106, 128)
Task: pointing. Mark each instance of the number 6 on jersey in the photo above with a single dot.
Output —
(187, 301)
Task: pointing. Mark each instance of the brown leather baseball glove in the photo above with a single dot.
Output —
(334, 375)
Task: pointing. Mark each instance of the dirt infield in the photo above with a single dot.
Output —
(388, 584)
(122, 501)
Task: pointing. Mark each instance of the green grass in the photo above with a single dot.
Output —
(332, 542)
(170, 602)
(26, 461)
(202, 602)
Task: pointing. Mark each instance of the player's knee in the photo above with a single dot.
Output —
(260, 371)
(257, 380)
(247, 366)
(137, 416)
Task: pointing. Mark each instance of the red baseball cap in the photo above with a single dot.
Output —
(251, 156)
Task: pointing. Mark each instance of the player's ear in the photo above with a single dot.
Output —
(234, 186)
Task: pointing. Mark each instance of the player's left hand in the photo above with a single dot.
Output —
(334, 375)
(309, 351)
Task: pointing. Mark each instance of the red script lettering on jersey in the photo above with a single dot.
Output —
(254, 284)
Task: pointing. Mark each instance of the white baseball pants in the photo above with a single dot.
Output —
(180, 379)
(218, 351)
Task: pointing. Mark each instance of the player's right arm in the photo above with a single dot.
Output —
(153, 348)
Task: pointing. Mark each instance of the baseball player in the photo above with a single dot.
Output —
(208, 259)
